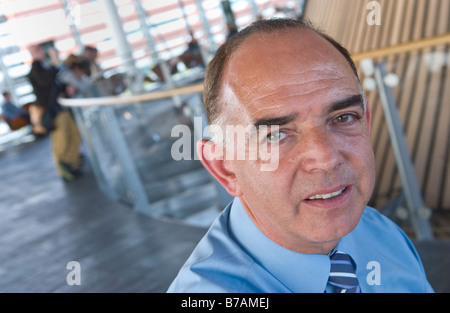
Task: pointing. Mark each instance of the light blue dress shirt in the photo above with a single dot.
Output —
(235, 256)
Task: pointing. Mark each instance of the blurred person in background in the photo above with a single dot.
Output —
(95, 72)
(57, 120)
(9, 110)
(74, 74)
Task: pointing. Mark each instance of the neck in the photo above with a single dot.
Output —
(291, 241)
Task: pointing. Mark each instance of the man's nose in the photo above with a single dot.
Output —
(318, 151)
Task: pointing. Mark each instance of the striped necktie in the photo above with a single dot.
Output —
(342, 274)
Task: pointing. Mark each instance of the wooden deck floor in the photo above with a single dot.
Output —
(46, 223)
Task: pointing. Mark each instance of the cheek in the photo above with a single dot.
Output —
(357, 148)
(359, 155)
(368, 172)
(266, 188)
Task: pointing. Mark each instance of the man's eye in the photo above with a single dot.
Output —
(345, 118)
(276, 137)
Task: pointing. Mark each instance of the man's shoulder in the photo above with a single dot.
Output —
(217, 264)
(378, 231)
(377, 238)
(376, 219)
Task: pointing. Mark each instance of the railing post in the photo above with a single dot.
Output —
(419, 214)
(136, 190)
(255, 9)
(8, 81)
(90, 148)
(200, 122)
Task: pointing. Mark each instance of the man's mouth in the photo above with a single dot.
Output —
(326, 196)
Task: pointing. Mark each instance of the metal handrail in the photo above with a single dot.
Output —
(403, 47)
(117, 100)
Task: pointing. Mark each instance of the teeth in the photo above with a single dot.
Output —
(327, 195)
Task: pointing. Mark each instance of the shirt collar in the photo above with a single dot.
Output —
(297, 271)
(349, 245)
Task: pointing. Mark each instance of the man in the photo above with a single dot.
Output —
(90, 55)
(11, 111)
(303, 226)
(14, 116)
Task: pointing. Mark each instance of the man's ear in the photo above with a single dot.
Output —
(212, 157)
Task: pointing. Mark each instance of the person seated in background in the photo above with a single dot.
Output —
(17, 118)
(11, 111)
(191, 57)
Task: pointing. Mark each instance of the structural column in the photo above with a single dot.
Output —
(145, 28)
(123, 50)
(255, 9)
(206, 26)
(8, 81)
(73, 15)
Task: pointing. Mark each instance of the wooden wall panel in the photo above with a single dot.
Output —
(423, 95)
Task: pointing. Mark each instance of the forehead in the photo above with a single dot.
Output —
(284, 70)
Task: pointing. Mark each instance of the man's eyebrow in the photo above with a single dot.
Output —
(352, 101)
(281, 120)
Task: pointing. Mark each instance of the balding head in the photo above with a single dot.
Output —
(297, 92)
(212, 94)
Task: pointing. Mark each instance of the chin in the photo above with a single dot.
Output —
(331, 235)
(332, 230)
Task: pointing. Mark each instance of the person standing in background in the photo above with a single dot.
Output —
(57, 120)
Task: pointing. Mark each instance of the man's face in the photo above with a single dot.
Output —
(91, 55)
(37, 53)
(326, 168)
